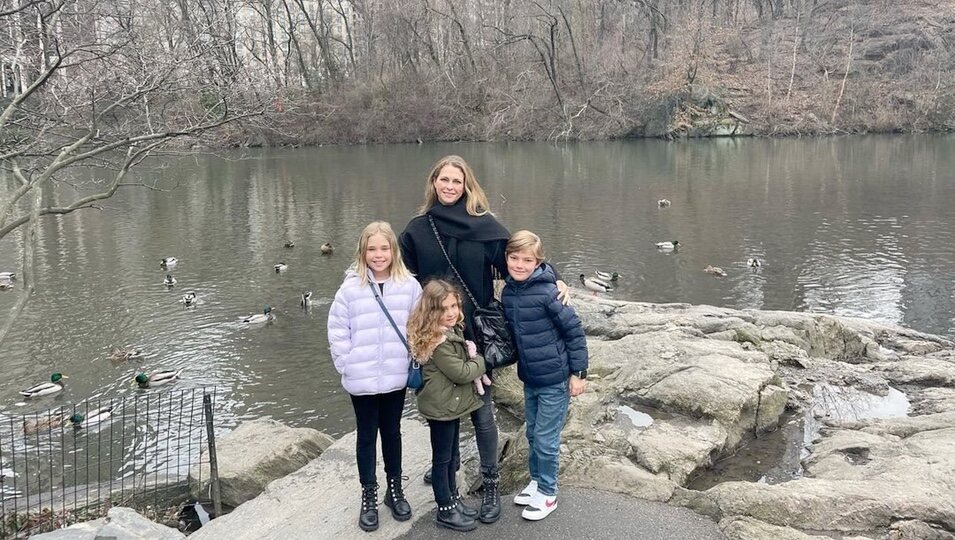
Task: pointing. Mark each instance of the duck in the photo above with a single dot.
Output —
(754, 263)
(169, 281)
(44, 389)
(606, 276)
(306, 299)
(190, 298)
(663, 203)
(8, 276)
(168, 262)
(258, 318)
(124, 354)
(157, 378)
(672, 244)
(289, 244)
(595, 285)
(715, 271)
(327, 248)
(280, 267)
(96, 416)
(43, 422)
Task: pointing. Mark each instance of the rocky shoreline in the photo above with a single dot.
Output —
(865, 412)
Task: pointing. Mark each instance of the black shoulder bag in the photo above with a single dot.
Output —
(493, 336)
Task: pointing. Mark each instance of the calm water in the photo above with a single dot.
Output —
(854, 226)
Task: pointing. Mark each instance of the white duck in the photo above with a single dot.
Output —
(44, 389)
(168, 262)
(157, 378)
(259, 318)
(668, 246)
(595, 285)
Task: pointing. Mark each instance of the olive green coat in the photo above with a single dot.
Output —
(449, 391)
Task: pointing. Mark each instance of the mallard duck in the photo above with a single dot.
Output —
(306, 299)
(96, 416)
(595, 285)
(289, 244)
(663, 203)
(606, 276)
(280, 267)
(169, 281)
(8, 276)
(263, 317)
(190, 298)
(754, 263)
(715, 271)
(44, 389)
(168, 262)
(43, 422)
(157, 378)
(124, 354)
(671, 245)
(327, 248)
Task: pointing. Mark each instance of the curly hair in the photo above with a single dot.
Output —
(424, 325)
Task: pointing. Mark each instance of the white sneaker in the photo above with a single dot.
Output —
(540, 507)
(527, 494)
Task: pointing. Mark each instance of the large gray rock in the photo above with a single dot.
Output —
(255, 454)
(119, 524)
(322, 499)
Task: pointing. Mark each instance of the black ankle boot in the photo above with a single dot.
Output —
(427, 476)
(468, 511)
(368, 518)
(491, 501)
(395, 499)
(450, 517)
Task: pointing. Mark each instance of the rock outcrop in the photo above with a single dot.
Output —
(119, 524)
(255, 454)
(675, 388)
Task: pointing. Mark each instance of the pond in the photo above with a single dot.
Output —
(858, 226)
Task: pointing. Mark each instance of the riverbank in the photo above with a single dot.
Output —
(798, 70)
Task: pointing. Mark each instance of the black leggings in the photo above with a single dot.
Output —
(445, 458)
(374, 413)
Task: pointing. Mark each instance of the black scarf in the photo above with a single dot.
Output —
(455, 222)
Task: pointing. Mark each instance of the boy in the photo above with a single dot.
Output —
(552, 364)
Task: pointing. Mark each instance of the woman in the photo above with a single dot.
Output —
(475, 242)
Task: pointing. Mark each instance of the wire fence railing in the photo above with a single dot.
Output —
(72, 463)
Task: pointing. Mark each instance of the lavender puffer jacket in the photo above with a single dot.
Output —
(367, 352)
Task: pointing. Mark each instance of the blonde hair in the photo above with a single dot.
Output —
(398, 269)
(525, 241)
(477, 204)
(424, 323)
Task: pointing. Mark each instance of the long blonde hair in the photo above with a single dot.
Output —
(424, 324)
(398, 269)
(477, 204)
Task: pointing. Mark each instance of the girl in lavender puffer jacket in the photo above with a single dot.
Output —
(373, 360)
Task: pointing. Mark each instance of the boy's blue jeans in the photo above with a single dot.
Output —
(545, 409)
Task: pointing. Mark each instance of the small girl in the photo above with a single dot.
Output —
(373, 361)
(437, 340)
(552, 363)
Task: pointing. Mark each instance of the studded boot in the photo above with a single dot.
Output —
(368, 518)
(395, 499)
(450, 517)
(491, 500)
(468, 511)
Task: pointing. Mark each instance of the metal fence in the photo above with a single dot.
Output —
(71, 463)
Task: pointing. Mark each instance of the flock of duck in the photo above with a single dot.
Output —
(124, 354)
(602, 282)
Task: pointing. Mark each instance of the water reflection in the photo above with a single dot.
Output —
(854, 226)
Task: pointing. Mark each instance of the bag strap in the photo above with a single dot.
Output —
(387, 314)
(451, 264)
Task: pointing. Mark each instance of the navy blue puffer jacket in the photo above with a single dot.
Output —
(549, 336)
